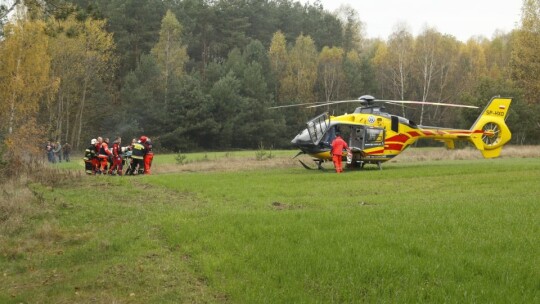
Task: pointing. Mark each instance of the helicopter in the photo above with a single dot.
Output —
(375, 136)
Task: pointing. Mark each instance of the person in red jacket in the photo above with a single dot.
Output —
(103, 156)
(338, 144)
(116, 157)
(149, 156)
(95, 160)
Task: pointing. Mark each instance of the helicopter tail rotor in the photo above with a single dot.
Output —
(490, 132)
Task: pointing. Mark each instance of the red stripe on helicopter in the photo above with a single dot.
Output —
(399, 138)
(376, 152)
(426, 132)
(414, 134)
(397, 147)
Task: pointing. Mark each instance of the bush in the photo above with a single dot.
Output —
(181, 159)
(262, 154)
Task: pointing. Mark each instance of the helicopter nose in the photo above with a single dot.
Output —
(301, 138)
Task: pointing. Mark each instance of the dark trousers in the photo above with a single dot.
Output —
(136, 167)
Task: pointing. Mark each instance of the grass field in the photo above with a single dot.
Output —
(456, 231)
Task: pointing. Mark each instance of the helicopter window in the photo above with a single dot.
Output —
(328, 137)
(395, 123)
(374, 137)
(366, 110)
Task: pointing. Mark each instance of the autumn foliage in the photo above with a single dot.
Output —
(202, 76)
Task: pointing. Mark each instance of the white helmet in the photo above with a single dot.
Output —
(93, 141)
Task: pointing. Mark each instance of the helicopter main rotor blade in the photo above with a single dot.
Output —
(296, 105)
(395, 102)
(399, 105)
(334, 102)
(428, 103)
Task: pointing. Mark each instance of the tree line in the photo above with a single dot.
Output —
(201, 75)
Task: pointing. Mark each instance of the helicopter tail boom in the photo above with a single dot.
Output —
(490, 132)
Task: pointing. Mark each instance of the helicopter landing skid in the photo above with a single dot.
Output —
(378, 163)
(319, 165)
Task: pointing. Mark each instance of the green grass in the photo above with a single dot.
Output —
(77, 162)
(211, 156)
(444, 231)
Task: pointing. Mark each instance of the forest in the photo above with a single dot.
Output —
(200, 75)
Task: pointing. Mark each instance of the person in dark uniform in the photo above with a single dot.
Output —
(89, 156)
(137, 159)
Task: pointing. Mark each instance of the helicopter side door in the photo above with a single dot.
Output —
(317, 127)
(356, 138)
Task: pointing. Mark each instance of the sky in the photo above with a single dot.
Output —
(461, 18)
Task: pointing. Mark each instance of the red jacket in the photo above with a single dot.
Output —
(104, 151)
(116, 150)
(338, 145)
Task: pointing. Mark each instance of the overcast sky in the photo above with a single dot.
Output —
(460, 18)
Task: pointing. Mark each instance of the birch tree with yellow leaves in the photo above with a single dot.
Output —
(525, 58)
(66, 51)
(525, 65)
(331, 71)
(96, 63)
(24, 82)
(84, 62)
(170, 53)
(24, 72)
(278, 61)
(393, 61)
(301, 71)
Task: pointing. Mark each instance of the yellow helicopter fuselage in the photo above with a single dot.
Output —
(375, 136)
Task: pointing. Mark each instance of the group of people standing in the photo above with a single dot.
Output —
(56, 151)
(99, 158)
